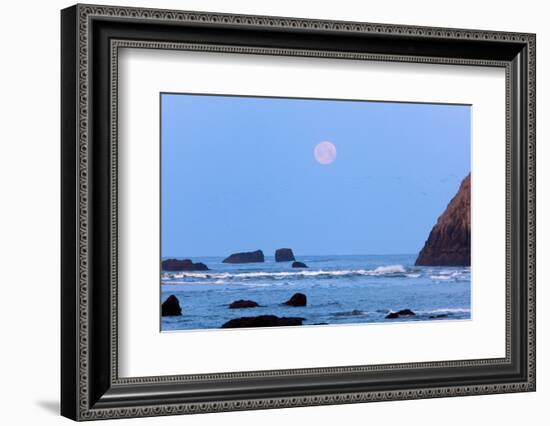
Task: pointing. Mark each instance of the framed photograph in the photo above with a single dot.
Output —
(263, 212)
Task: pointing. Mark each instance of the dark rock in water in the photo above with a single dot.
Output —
(238, 304)
(183, 265)
(171, 307)
(299, 265)
(284, 255)
(262, 321)
(297, 299)
(401, 313)
(353, 313)
(246, 257)
(438, 316)
(449, 241)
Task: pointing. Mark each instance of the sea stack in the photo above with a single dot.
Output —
(246, 257)
(449, 241)
(183, 265)
(284, 255)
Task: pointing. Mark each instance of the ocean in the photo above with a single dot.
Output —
(339, 289)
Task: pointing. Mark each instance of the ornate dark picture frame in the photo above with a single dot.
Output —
(91, 37)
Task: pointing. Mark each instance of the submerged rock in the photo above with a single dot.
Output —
(438, 316)
(297, 299)
(299, 265)
(401, 313)
(449, 241)
(239, 304)
(262, 321)
(183, 265)
(171, 307)
(284, 255)
(246, 257)
(353, 313)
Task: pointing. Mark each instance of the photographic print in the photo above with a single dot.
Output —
(312, 212)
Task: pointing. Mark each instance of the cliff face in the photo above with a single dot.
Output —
(449, 241)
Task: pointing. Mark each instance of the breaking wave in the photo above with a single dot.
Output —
(447, 311)
(450, 275)
(397, 270)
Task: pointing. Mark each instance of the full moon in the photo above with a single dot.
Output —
(325, 152)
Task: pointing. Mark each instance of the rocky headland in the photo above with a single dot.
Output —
(449, 241)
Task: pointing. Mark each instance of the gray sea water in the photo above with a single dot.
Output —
(339, 290)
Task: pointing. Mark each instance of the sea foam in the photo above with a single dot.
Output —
(381, 270)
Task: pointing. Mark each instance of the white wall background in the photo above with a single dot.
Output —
(29, 216)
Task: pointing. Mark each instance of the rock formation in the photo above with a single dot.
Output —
(284, 255)
(401, 313)
(438, 316)
(449, 241)
(245, 257)
(238, 304)
(183, 265)
(297, 299)
(171, 307)
(299, 265)
(262, 321)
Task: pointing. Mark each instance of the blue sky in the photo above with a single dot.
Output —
(238, 173)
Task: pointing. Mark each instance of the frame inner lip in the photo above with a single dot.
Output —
(115, 45)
